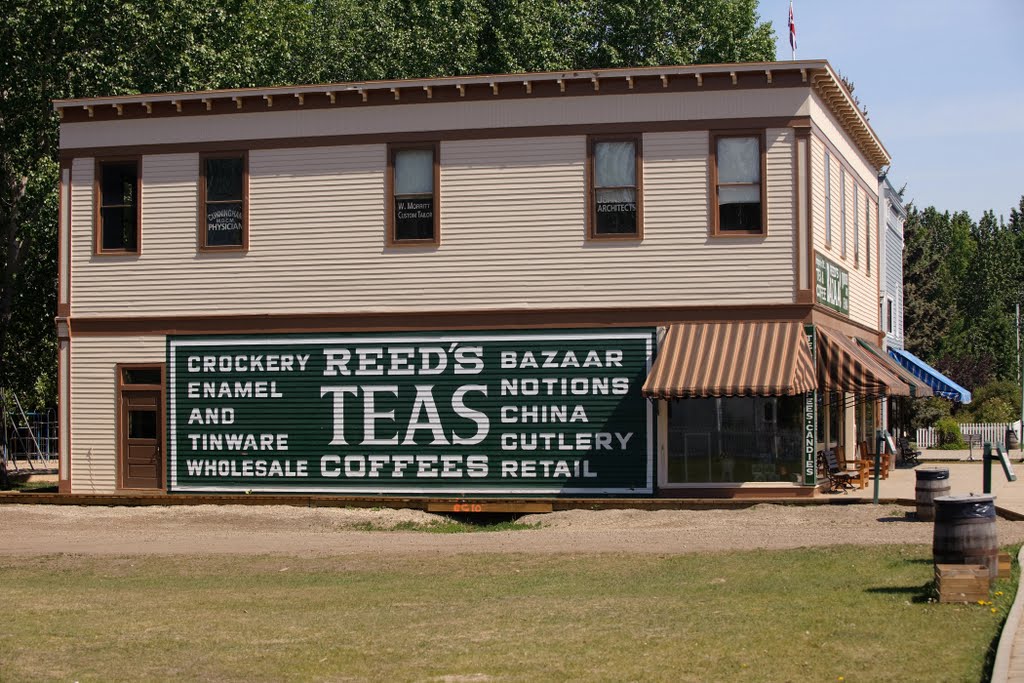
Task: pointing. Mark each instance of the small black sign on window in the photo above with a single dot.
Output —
(414, 218)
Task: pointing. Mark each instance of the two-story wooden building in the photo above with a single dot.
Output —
(649, 281)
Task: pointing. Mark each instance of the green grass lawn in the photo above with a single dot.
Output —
(858, 613)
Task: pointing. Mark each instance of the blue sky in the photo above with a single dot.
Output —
(943, 83)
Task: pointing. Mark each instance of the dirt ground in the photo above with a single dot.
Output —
(207, 529)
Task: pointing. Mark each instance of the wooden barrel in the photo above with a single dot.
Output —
(965, 531)
(932, 482)
(1012, 443)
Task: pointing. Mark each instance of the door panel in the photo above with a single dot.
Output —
(142, 463)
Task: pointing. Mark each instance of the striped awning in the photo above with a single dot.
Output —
(846, 367)
(918, 389)
(732, 359)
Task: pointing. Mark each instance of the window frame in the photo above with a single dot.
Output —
(715, 136)
(97, 200)
(867, 230)
(389, 195)
(591, 171)
(828, 200)
(203, 246)
(842, 211)
(856, 225)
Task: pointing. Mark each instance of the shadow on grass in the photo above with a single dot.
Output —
(917, 594)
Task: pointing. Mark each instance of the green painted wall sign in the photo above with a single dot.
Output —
(464, 413)
(832, 284)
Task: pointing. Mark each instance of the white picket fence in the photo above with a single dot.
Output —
(992, 432)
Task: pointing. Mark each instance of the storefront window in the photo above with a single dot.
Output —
(735, 439)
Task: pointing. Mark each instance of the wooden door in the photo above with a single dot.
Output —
(142, 461)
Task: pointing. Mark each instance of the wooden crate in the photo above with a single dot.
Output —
(1004, 565)
(962, 582)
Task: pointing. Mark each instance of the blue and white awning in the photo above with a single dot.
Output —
(942, 385)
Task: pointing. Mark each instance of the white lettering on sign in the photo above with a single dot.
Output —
(239, 442)
(271, 362)
(527, 360)
(400, 466)
(531, 469)
(403, 360)
(212, 416)
(233, 390)
(542, 414)
(246, 468)
(577, 386)
(424, 416)
(559, 441)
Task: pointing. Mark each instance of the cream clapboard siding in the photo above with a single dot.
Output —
(863, 286)
(512, 227)
(826, 122)
(396, 118)
(94, 405)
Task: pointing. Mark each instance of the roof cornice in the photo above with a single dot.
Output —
(817, 74)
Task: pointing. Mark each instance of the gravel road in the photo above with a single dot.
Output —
(208, 529)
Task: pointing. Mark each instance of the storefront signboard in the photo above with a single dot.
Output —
(465, 413)
(832, 284)
(811, 421)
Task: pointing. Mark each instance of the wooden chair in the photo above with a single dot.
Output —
(857, 466)
(884, 461)
(840, 479)
(907, 454)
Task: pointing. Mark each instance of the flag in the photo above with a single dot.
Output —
(792, 28)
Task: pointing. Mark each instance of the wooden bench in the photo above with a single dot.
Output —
(907, 454)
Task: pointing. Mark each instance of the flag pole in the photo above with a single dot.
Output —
(792, 32)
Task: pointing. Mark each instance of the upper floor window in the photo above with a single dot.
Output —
(842, 211)
(867, 234)
(118, 209)
(888, 315)
(856, 225)
(828, 199)
(223, 201)
(414, 176)
(738, 204)
(615, 189)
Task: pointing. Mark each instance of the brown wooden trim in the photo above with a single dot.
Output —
(591, 195)
(809, 193)
(714, 137)
(822, 315)
(842, 211)
(389, 195)
(435, 320)
(201, 190)
(63, 253)
(347, 95)
(820, 135)
(509, 132)
(801, 211)
(121, 387)
(736, 492)
(97, 200)
(856, 226)
(63, 428)
(827, 207)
